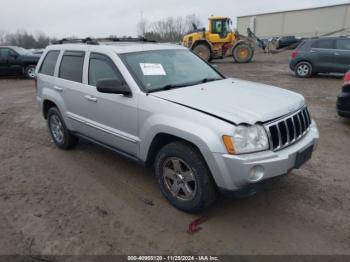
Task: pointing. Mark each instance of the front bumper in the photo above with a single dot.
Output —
(233, 170)
(343, 104)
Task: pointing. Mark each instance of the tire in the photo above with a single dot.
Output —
(29, 71)
(61, 136)
(203, 51)
(303, 69)
(179, 167)
(243, 53)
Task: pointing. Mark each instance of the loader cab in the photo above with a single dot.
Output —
(220, 26)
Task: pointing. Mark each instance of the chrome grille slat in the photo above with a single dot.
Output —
(288, 137)
(300, 127)
(288, 130)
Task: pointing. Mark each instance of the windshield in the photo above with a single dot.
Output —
(21, 50)
(166, 69)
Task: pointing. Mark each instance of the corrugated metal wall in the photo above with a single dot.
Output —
(308, 22)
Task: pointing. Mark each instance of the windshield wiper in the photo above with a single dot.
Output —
(174, 86)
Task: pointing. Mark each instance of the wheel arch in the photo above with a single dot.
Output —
(162, 139)
(47, 104)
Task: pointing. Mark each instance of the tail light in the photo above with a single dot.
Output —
(347, 78)
(294, 54)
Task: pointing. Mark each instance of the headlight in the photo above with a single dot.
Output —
(247, 139)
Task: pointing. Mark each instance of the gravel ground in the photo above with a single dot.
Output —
(91, 201)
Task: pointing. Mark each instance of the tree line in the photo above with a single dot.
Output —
(24, 39)
(170, 29)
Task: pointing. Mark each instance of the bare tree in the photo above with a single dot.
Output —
(142, 26)
(170, 29)
(24, 39)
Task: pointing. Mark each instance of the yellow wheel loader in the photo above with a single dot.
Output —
(219, 42)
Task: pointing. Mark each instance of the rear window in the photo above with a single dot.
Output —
(72, 66)
(49, 64)
(343, 44)
(324, 44)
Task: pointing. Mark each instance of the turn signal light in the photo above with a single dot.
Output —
(229, 145)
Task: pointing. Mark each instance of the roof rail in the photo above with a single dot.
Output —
(97, 41)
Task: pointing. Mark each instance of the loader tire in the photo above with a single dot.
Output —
(203, 51)
(243, 53)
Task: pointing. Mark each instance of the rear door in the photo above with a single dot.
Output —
(70, 84)
(343, 54)
(323, 54)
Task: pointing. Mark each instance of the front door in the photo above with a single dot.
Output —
(113, 116)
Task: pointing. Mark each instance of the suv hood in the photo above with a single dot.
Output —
(236, 100)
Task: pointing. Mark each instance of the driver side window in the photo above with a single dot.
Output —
(102, 67)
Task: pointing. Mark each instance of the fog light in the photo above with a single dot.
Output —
(256, 173)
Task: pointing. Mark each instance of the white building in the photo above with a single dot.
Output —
(327, 20)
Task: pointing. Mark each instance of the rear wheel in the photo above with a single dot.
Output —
(243, 53)
(58, 130)
(303, 70)
(30, 71)
(203, 51)
(184, 178)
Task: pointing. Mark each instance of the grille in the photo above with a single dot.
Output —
(286, 131)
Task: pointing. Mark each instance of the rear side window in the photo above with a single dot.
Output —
(49, 64)
(343, 44)
(102, 67)
(324, 44)
(72, 66)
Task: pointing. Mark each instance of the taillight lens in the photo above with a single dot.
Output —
(347, 78)
(294, 54)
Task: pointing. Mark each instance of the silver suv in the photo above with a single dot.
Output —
(163, 106)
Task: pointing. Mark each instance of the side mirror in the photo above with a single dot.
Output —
(14, 55)
(113, 86)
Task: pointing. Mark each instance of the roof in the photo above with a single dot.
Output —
(295, 10)
(218, 17)
(118, 47)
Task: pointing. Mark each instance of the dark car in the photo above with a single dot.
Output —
(343, 102)
(285, 41)
(17, 61)
(321, 55)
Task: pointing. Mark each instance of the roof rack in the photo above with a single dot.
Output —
(97, 41)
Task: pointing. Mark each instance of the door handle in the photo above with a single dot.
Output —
(91, 99)
(59, 89)
(336, 53)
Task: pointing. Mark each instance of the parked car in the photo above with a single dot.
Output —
(163, 106)
(321, 55)
(17, 61)
(285, 41)
(343, 102)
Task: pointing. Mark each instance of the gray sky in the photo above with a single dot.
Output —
(119, 17)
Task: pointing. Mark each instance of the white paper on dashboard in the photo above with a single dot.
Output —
(149, 69)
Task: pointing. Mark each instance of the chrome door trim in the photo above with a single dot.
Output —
(102, 128)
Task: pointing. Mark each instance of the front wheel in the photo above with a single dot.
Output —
(184, 178)
(30, 71)
(203, 51)
(243, 53)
